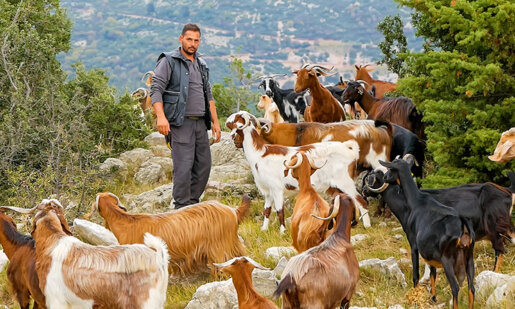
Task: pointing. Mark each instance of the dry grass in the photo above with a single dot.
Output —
(374, 288)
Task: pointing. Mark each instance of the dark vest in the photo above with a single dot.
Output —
(175, 95)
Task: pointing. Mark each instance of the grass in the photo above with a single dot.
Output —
(374, 288)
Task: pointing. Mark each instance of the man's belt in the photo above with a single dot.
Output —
(195, 117)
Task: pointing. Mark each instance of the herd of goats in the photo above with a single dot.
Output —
(314, 140)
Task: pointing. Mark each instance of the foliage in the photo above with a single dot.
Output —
(53, 132)
(464, 84)
(394, 43)
(235, 94)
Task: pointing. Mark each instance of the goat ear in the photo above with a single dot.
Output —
(357, 67)
(385, 164)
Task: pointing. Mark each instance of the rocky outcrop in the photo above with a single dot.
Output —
(389, 267)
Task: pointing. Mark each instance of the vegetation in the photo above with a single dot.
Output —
(464, 84)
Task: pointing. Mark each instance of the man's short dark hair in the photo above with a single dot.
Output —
(190, 27)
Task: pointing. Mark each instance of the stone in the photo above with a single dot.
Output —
(499, 288)
(165, 162)
(281, 265)
(155, 139)
(113, 169)
(357, 238)
(149, 174)
(276, 253)
(398, 236)
(403, 251)
(3, 260)
(156, 200)
(389, 267)
(161, 151)
(134, 158)
(93, 233)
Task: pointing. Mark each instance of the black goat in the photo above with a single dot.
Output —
(439, 233)
(291, 104)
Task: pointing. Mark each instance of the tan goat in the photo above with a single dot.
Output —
(196, 235)
(271, 110)
(505, 150)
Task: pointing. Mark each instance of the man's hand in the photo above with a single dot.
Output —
(163, 126)
(217, 133)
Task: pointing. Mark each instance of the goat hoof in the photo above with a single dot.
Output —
(282, 229)
(433, 298)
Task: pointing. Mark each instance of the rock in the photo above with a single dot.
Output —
(398, 236)
(134, 158)
(397, 229)
(113, 169)
(222, 294)
(155, 139)
(3, 260)
(150, 173)
(500, 288)
(405, 261)
(357, 238)
(93, 233)
(281, 265)
(161, 151)
(382, 224)
(403, 251)
(166, 164)
(396, 307)
(277, 252)
(153, 201)
(389, 267)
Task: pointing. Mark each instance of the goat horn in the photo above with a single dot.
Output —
(409, 155)
(267, 128)
(299, 161)
(380, 189)
(335, 211)
(256, 264)
(20, 210)
(226, 263)
(313, 165)
(145, 75)
(363, 82)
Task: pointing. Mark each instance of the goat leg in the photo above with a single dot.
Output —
(498, 261)
(470, 275)
(433, 283)
(415, 264)
(266, 214)
(448, 267)
(280, 215)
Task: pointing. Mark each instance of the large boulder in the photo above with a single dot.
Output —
(150, 173)
(113, 169)
(389, 267)
(93, 233)
(156, 200)
(500, 288)
(155, 139)
(222, 294)
(134, 158)
(165, 162)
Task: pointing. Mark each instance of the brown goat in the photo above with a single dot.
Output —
(271, 110)
(240, 269)
(325, 276)
(505, 150)
(196, 235)
(324, 107)
(143, 96)
(21, 271)
(382, 87)
(306, 231)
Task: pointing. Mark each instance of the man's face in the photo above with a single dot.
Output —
(190, 42)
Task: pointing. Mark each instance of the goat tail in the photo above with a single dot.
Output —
(157, 244)
(244, 208)
(467, 237)
(387, 125)
(289, 287)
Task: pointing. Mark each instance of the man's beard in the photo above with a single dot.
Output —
(188, 52)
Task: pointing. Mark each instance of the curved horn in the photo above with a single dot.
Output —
(299, 161)
(313, 165)
(409, 155)
(378, 190)
(20, 210)
(335, 211)
(266, 128)
(363, 82)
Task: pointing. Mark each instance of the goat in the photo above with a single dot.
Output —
(442, 236)
(271, 110)
(240, 269)
(291, 104)
(306, 231)
(196, 235)
(143, 97)
(400, 110)
(374, 137)
(505, 150)
(325, 276)
(381, 87)
(324, 107)
(266, 164)
(73, 274)
(352, 109)
(21, 271)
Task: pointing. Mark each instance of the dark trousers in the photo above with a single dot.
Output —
(191, 158)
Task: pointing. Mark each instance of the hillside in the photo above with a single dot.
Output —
(125, 37)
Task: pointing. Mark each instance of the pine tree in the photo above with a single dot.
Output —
(464, 83)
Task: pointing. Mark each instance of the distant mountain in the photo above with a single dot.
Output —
(125, 37)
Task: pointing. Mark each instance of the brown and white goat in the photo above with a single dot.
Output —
(196, 235)
(381, 87)
(505, 150)
(143, 97)
(271, 110)
(21, 271)
(306, 231)
(325, 276)
(240, 269)
(73, 274)
(324, 107)
(374, 138)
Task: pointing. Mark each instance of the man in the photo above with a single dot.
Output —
(183, 102)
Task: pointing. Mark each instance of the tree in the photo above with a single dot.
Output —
(393, 44)
(53, 132)
(235, 93)
(464, 83)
